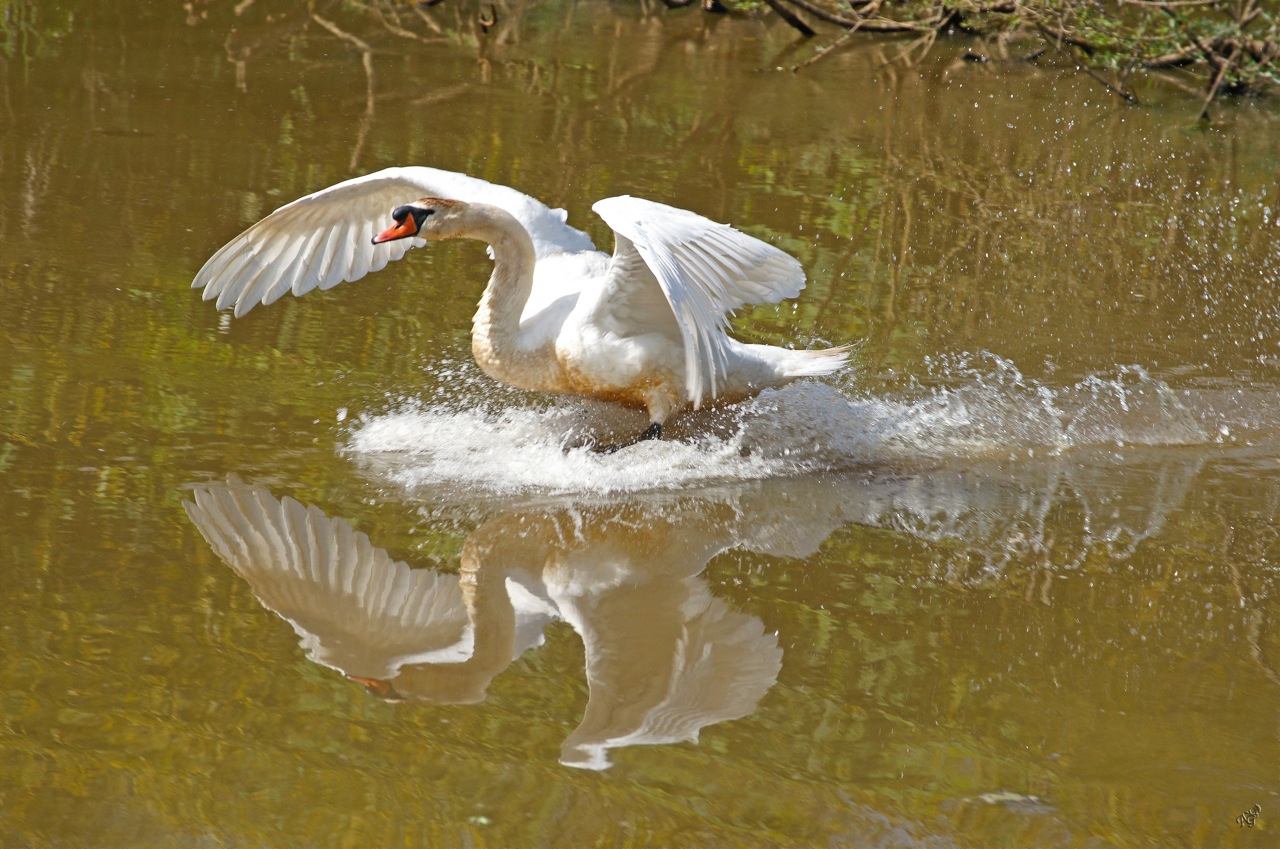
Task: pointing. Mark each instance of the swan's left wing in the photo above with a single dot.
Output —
(325, 238)
(706, 271)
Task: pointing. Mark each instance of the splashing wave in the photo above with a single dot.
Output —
(983, 408)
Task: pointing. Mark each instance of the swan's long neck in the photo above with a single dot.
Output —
(496, 340)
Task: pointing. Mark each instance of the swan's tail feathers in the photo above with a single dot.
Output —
(820, 362)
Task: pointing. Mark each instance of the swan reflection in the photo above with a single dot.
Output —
(664, 657)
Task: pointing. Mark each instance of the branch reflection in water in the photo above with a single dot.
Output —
(664, 656)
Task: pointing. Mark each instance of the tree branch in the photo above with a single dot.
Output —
(791, 17)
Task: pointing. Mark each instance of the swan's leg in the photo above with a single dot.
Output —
(653, 431)
(661, 400)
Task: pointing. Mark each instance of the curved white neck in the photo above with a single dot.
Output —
(495, 329)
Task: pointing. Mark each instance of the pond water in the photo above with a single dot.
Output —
(308, 578)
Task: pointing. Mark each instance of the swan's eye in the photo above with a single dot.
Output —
(427, 213)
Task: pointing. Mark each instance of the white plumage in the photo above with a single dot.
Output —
(646, 327)
(353, 607)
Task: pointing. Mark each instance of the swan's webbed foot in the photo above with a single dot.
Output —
(653, 431)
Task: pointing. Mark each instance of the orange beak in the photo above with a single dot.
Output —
(401, 229)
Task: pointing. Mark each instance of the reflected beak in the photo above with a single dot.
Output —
(381, 689)
(401, 229)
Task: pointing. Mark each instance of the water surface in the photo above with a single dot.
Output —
(307, 578)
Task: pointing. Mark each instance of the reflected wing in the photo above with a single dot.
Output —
(717, 667)
(325, 238)
(706, 270)
(355, 609)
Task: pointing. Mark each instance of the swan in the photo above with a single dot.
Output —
(645, 327)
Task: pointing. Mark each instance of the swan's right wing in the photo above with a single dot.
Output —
(354, 608)
(325, 238)
(706, 271)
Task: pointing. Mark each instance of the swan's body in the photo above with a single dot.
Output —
(645, 328)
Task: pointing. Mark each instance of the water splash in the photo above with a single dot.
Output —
(976, 408)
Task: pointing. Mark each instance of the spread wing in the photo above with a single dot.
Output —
(354, 608)
(705, 270)
(325, 238)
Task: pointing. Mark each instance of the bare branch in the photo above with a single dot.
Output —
(1157, 4)
(1122, 93)
(791, 17)
(865, 23)
(1213, 89)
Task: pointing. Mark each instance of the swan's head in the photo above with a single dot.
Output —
(429, 218)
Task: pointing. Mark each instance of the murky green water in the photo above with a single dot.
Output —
(1011, 582)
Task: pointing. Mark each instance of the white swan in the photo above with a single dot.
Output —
(645, 328)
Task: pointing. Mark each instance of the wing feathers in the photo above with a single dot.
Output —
(325, 238)
(312, 275)
(355, 608)
(706, 270)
